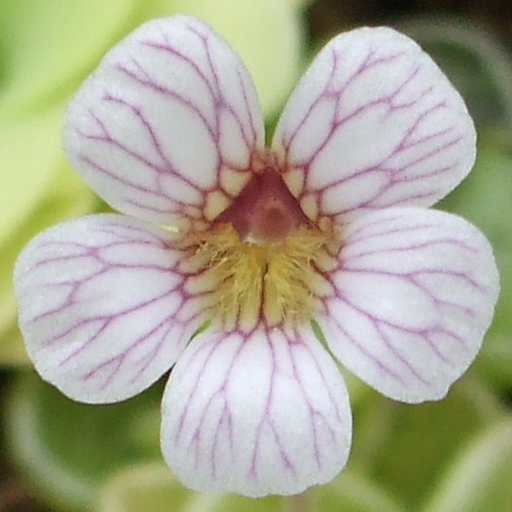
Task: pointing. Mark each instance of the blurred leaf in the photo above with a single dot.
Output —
(404, 446)
(45, 45)
(142, 488)
(479, 478)
(484, 198)
(235, 503)
(478, 65)
(152, 487)
(352, 492)
(67, 196)
(267, 34)
(12, 348)
(29, 158)
(302, 3)
(68, 449)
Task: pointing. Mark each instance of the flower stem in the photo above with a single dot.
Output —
(299, 503)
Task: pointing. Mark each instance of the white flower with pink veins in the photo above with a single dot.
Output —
(330, 223)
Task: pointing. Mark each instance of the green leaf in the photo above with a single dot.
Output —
(479, 66)
(67, 450)
(479, 478)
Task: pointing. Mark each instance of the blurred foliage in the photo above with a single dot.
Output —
(46, 47)
(403, 447)
(67, 449)
(151, 487)
(37, 166)
(476, 62)
(479, 478)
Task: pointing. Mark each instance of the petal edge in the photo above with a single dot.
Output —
(263, 413)
(101, 306)
(414, 293)
(373, 123)
(165, 123)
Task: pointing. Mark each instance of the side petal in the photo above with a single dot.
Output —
(373, 123)
(165, 128)
(257, 414)
(103, 307)
(413, 293)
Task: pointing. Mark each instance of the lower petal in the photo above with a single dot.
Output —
(101, 306)
(414, 291)
(262, 413)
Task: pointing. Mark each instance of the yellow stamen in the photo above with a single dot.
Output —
(270, 280)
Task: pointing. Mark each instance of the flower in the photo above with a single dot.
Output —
(329, 224)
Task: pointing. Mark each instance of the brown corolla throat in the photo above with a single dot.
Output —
(265, 211)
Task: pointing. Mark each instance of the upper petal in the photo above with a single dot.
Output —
(259, 413)
(373, 123)
(165, 128)
(102, 306)
(413, 293)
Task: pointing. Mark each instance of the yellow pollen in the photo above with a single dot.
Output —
(269, 280)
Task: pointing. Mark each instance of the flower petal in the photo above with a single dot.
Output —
(413, 294)
(374, 123)
(102, 306)
(166, 126)
(262, 413)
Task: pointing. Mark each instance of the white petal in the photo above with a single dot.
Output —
(168, 113)
(373, 123)
(263, 413)
(101, 306)
(415, 292)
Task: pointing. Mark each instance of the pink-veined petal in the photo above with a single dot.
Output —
(165, 128)
(262, 413)
(373, 123)
(414, 291)
(103, 306)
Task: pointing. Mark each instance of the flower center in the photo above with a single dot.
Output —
(265, 211)
(273, 282)
(259, 257)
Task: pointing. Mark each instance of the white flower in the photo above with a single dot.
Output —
(329, 223)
